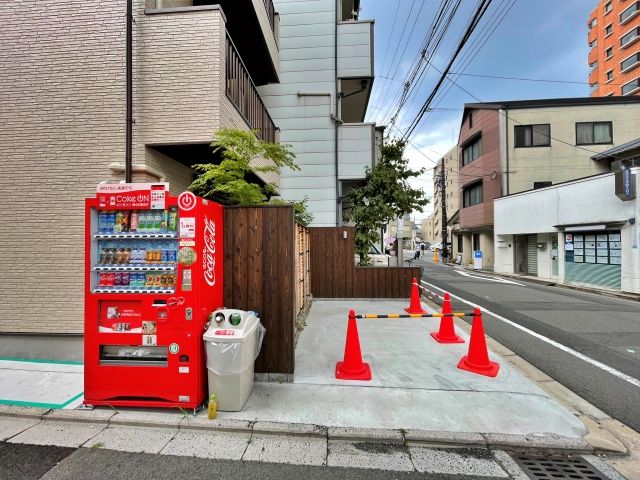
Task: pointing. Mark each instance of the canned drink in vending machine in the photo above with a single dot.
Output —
(111, 279)
(117, 279)
(171, 256)
(104, 279)
(126, 279)
(164, 256)
(157, 280)
(149, 280)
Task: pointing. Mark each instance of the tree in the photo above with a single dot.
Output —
(230, 180)
(385, 195)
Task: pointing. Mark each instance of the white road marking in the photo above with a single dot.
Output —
(623, 376)
(486, 277)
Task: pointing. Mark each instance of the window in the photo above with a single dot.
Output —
(476, 241)
(594, 43)
(630, 62)
(537, 185)
(631, 87)
(460, 237)
(472, 195)
(589, 133)
(592, 23)
(533, 135)
(593, 66)
(470, 119)
(609, 52)
(629, 37)
(594, 247)
(594, 87)
(608, 30)
(607, 7)
(630, 12)
(609, 75)
(471, 151)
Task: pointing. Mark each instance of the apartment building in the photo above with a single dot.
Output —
(326, 76)
(452, 196)
(511, 147)
(198, 66)
(426, 229)
(614, 58)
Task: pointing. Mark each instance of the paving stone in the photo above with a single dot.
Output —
(475, 462)
(15, 411)
(224, 424)
(290, 428)
(11, 426)
(509, 465)
(601, 439)
(61, 434)
(287, 449)
(208, 444)
(376, 455)
(541, 440)
(421, 437)
(147, 418)
(132, 439)
(386, 435)
(92, 416)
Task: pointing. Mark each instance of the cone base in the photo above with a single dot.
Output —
(440, 339)
(490, 370)
(415, 310)
(363, 373)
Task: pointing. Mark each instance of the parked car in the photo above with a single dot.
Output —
(436, 246)
(378, 259)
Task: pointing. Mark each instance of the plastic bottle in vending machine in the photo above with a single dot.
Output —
(111, 222)
(172, 223)
(142, 222)
(126, 218)
(102, 220)
(157, 222)
(133, 222)
(117, 228)
(164, 221)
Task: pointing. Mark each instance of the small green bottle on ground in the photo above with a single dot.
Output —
(212, 411)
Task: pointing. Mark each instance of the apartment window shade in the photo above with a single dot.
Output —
(593, 133)
(533, 135)
(472, 195)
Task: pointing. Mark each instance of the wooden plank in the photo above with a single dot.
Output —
(286, 279)
(254, 255)
(229, 240)
(271, 288)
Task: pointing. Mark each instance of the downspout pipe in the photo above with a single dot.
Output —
(337, 114)
(128, 171)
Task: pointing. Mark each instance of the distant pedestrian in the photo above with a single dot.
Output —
(422, 248)
(417, 255)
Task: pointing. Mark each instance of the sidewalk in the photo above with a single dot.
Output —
(417, 397)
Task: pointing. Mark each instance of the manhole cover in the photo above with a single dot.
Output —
(554, 467)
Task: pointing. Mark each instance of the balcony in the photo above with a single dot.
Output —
(356, 150)
(253, 25)
(355, 68)
(242, 92)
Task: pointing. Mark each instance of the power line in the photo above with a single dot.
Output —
(524, 79)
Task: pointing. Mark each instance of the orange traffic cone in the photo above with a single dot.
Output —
(352, 367)
(447, 333)
(414, 305)
(477, 361)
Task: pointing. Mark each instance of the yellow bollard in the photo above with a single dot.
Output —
(435, 256)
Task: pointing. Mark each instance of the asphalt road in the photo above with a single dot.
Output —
(604, 328)
(32, 462)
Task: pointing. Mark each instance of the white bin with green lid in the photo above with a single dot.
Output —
(232, 344)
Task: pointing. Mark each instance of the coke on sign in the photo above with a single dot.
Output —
(209, 251)
(186, 201)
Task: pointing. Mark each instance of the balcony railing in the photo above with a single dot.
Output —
(153, 4)
(242, 92)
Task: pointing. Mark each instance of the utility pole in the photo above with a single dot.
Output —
(443, 197)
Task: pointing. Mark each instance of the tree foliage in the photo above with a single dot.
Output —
(385, 195)
(230, 180)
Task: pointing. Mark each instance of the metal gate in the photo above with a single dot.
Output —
(532, 254)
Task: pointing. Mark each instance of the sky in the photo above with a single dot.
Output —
(537, 39)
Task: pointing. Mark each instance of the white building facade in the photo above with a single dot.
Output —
(582, 234)
(326, 75)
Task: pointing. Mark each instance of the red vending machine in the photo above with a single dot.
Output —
(153, 274)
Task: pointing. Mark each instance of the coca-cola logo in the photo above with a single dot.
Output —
(209, 252)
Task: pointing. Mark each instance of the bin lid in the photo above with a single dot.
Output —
(231, 335)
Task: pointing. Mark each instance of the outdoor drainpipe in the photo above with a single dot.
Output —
(338, 115)
(128, 164)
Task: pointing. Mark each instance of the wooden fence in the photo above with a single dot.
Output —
(334, 274)
(303, 269)
(260, 275)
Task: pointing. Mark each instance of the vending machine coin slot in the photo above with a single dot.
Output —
(188, 313)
